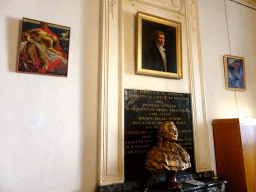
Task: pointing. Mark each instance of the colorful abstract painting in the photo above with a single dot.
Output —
(43, 48)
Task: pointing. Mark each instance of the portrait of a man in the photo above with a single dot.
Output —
(158, 58)
(159, 47)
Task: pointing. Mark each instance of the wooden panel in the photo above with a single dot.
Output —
(248, 133)
(229, 154)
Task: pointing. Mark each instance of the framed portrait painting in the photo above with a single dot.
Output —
(235, 78)
(43, 48)
(158, 47)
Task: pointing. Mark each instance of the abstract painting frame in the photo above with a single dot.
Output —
(159, 50)
(234, 68)
(43, 48)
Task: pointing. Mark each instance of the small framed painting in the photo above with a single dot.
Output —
(235, 78)
(43, 48)
(158, 47)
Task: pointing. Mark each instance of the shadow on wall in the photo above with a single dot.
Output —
(12, 33)
(90, 75)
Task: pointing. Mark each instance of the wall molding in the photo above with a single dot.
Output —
(111, 160)
(111, 157)
(201, 135)
(112, 5)
(177, 6)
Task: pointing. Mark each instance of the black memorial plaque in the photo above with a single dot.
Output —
(144, 112)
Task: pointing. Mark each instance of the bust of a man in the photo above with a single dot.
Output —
(167, 155)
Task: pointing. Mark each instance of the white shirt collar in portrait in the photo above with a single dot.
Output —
(162, 52)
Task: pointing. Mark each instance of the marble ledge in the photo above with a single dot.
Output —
(211, 184)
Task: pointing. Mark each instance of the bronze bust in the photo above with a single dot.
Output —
(168, 155)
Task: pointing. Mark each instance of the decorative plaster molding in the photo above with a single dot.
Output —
(201, 135)
(191, 15)
(111, 7)
(111, 161)
(177, 6)
(248, 3)
(111, 102)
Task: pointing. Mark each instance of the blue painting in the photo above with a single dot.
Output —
(235, 72)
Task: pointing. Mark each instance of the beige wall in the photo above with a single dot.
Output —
(49, 125)
(201, 58)
(234, 36)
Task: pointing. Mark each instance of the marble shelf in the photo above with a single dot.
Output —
(210, 184)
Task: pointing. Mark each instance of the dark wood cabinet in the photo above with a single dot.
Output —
(235, 152)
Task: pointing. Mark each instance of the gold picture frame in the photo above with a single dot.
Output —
(152, 33)
(234, 68)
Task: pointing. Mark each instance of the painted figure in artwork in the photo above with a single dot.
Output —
(41, 50)
(235, 74)
(46, 40)
(158, 58)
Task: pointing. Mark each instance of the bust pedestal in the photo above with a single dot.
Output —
(173, 183)
(210, 184)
